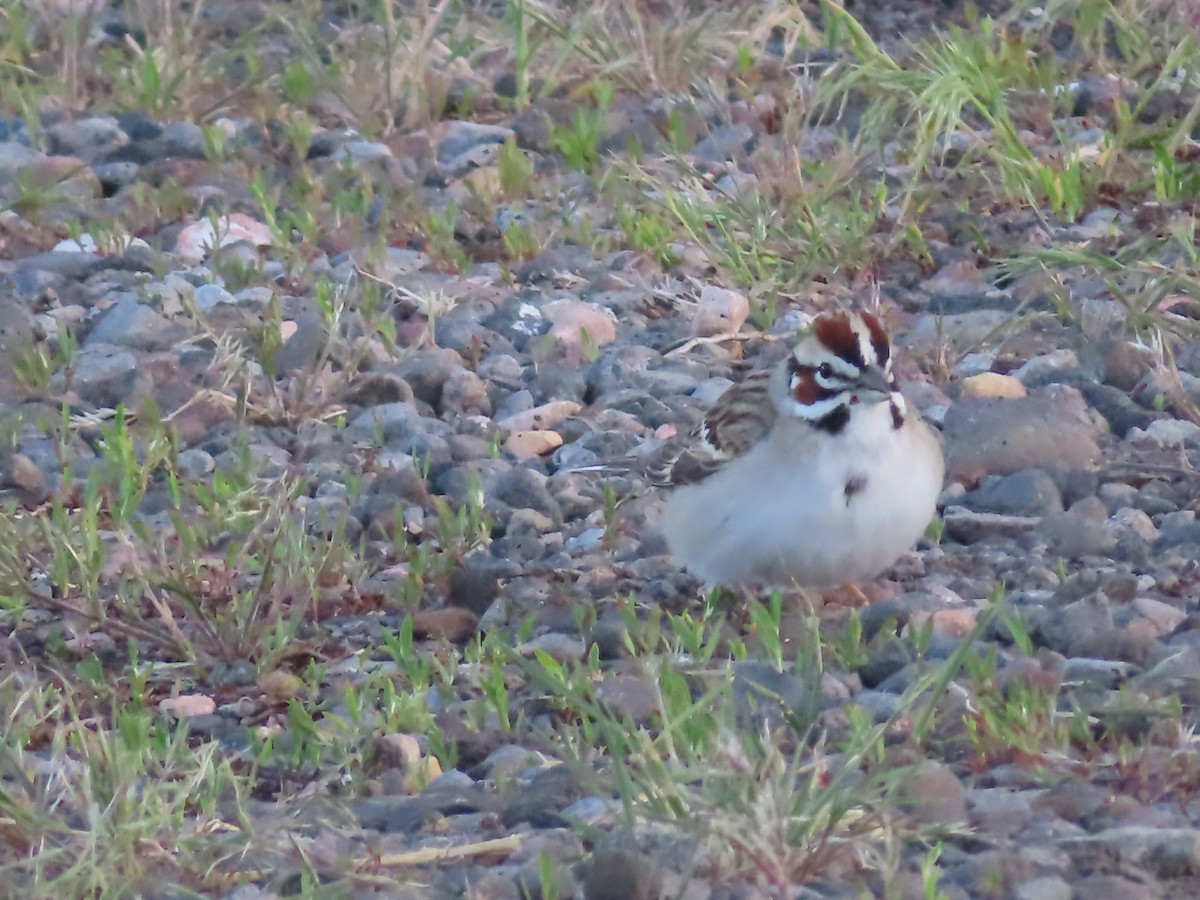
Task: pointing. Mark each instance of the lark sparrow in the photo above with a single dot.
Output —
(816, 473)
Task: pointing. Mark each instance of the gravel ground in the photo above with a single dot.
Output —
(1071, 445)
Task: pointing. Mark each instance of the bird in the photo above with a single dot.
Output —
(814, 474)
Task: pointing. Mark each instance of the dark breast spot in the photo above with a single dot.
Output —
(855, 484)
(834, 421)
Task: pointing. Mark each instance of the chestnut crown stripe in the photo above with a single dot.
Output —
(838, 335)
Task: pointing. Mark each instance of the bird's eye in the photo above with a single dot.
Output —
(825, 370)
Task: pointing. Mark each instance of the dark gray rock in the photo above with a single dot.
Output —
(540, 802)
(765, 697)
(427, 371)
(933, 794)
(408, 814)
(131, 324)
(886, 658)
(622, 873)
(1005, 435)
(523, 488)
(724, 143)
(1028, 493)
(89, 138)
(462, 137)
(107, 375)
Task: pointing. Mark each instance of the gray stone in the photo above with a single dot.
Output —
(426, 371)
(305, 347)
(1117, 494)
(962, 329)
(14, 157)
(969, 527)
(1041, 369)
(1165, 852)
(462, 137)
(1028, 493)
(1048, 887)
(397, 424)
(525, 489)
(1095, 673)
(357, 152)
(975, 363)
(880, 705)
(765, 697)
(510, 761)
(208, 296)
(1073, 535)
(18, 327)
(998, 811)
(1004, 435)
(1115, 405)
(933, 795)
(465, 393)
(196, 463)
(89, 137)
(1133, 886)
(107, 375)
(115, 175)
(182, 139)
(540, 802)
(629, 696)
(1171, 432)
(408, 814)
(590, 812)
(622, 873)
(1135, 522)
(54, 268)
(724, 143)
(556, 645)
(131, 324)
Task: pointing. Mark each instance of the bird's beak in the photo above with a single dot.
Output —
(872, 386)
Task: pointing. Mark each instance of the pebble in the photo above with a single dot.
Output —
(720, 311)
(580, 326)
(992, 384)
(197, 240)
(933, 795)
(560, 647)
(1167, 433)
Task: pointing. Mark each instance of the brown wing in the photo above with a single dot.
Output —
(736, 422)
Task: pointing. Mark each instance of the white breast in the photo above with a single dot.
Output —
(809, 508)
